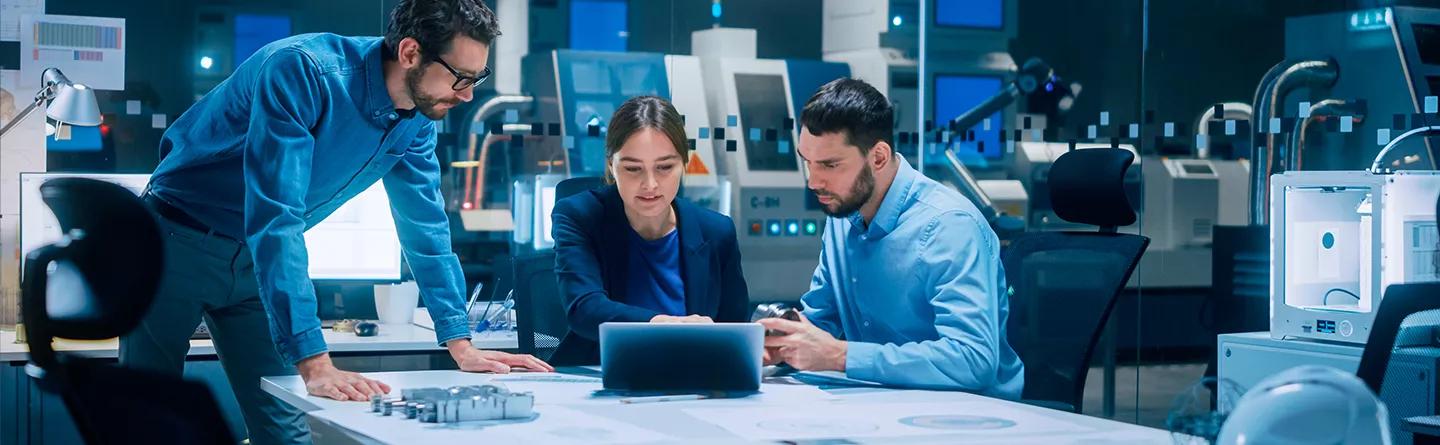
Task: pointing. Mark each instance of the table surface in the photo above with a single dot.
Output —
(567, 413)
(389, 339)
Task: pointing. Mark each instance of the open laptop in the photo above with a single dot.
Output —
(720, 359)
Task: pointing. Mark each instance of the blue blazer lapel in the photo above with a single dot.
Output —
(696, 260)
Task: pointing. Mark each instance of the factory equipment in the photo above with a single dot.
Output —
(1338, 238)
(1371, 70)
(777, 218)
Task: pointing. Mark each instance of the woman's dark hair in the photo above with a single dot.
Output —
(640, 113)
(435, 23)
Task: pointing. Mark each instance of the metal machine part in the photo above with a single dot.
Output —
(1339, 239)
(1385, 56)
(457, 404)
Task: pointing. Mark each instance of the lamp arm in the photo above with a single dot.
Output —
(20, 117)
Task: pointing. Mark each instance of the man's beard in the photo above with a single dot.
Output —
(424, 104)
(859, 194)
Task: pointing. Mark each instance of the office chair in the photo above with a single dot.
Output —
(541, 315)
(571, 186)
(106, 271)
(1063, 285)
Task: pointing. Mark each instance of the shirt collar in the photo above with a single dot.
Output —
(378, 100)
(896, 200)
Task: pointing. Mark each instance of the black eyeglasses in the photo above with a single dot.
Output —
(462, 81)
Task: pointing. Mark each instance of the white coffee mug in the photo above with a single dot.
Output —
(396, 303)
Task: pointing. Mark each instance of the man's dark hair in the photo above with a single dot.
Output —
(854, 108)
(435, 23)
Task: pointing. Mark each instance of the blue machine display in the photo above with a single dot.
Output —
(1338, 239)
(580, 90)
(955, 94)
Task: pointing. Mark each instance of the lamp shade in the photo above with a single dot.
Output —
(74, 104)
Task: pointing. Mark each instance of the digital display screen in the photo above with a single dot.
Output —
(956, 94)
(981, 14)
(356, 242)
(1427, 43)
(763, 111)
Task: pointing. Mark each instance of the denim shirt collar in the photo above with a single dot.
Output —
(378, 101)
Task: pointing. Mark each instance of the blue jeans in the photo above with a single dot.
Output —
(210, 276)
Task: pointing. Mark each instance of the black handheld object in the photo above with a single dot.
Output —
(366, 329)
(1032, 74)
(775, 310)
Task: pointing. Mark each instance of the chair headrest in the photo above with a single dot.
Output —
(106, 271)
(1087, 186)
(571, 186)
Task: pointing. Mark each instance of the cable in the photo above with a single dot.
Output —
(1375, 166)
(1325, 300)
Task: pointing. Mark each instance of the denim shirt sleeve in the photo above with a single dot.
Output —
(820, 301)
(957, 261)
(277, 157)
(413, 186)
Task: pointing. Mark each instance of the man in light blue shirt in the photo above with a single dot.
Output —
(910, 290)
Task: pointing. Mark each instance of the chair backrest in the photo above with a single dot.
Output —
(1400, 301)
(96, 283)
(1064, 285)
(571, 186)
(541, 321)
(1063, 288)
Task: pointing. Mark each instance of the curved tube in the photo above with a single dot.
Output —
(1304, 73)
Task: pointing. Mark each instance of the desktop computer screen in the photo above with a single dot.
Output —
(356, 243)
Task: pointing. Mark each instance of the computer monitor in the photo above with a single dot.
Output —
(974, 14)
(958, 93)
(355, 243)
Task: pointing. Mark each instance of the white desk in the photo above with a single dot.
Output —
(565, 415)
(398, 338)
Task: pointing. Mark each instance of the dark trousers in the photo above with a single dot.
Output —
(211, 276)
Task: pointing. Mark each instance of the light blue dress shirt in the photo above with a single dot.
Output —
(302, 126)
(919, 294)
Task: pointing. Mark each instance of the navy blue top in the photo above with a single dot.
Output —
(655, 274)
(594, 262)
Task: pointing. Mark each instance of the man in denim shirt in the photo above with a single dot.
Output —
(909, 291)
(300, 127)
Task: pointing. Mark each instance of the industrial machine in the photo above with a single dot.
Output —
(574, 94)
(778, 220)
(1338, 239)
(882, 43)
(1388, 57)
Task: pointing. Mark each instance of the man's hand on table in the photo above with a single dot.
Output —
(475, 360)
(323, 379)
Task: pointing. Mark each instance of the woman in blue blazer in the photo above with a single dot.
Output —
(633, 251)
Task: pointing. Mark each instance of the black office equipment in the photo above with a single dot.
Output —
(107, 294)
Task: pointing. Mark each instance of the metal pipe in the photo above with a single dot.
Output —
(476, 176)
(1304, 73)
(1294, 154)
(969, 187)
(1233, 110)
